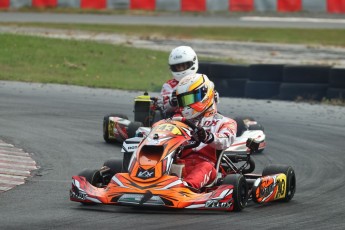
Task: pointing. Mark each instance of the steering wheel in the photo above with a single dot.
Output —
(192, 143)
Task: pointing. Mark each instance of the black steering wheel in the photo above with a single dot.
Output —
(191, 143)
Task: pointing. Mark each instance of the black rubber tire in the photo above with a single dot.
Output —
(241, 127)
(106, 125)
(228, 71)
(295, 91)
(306, 74)
(335, 93)
(262, 89)
(133, 127)
(240, 193)
(115, 165)
(290, 177)
(337, 78)
(251, 167)
(266, 72)
(256, 127)
(204, 68)
(92, 176)
(157, 116)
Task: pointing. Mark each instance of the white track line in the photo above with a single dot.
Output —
(292, 19)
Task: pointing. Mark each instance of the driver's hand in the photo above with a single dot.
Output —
(173, 99)
(252, 144)
(200, 134)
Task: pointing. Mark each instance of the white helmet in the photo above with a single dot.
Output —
(183, 61)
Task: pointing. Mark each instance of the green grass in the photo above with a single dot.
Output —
(277, 35)
(85, 63)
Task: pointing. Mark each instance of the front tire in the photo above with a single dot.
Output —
(115, 166)
(91, 175)
(133, 127)
(241, 127)
(290, 177)
(240, 193)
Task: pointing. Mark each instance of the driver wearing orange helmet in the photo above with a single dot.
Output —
(196, 100)
(182, 61)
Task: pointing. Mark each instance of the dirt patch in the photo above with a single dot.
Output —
(247, 52)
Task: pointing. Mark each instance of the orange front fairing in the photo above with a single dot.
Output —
(168, 191)
(155, 154)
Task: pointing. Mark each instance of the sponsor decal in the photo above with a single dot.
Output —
(145, 174)
(217, 204)
(77, 194)
(271, 187)
(210, 123)
(281, 184)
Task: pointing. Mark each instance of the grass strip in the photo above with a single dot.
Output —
(276, 35)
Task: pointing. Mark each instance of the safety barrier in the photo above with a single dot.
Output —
(329, 6)
(276, 81)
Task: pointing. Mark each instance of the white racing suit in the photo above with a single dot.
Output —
(167, 89)
(200, 162)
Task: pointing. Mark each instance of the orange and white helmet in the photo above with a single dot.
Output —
(195, 95)
(183, 61)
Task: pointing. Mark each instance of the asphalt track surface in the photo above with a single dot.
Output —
(61, 127)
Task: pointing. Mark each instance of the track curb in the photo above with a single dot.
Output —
(15, 166)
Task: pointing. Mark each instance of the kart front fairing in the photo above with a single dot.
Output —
(167, 192)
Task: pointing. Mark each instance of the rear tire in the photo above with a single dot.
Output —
(106, 126)
(241, 127)
(290, 177)
(133, 127)
(240, 193)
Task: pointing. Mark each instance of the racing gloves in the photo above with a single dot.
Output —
(252, 144)
(173, 99)
(200, 134)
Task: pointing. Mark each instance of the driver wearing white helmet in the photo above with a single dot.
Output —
(183, 61)
(196, 100)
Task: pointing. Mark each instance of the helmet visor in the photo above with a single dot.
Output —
(186, 99)
(181, 66)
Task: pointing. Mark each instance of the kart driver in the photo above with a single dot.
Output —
(196, 100)
(183, 61)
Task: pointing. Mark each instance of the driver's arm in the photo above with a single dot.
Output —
(225, 135)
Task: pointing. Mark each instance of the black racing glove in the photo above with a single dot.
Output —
(252, 144)
(200, 134)
(173, 99)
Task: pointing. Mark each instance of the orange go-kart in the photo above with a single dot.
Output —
(153, 178)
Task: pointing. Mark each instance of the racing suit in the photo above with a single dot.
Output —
(200, 162)
(167, 89)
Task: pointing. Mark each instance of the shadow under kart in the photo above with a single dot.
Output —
(147, 111)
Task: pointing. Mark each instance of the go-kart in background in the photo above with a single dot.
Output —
(330, 6)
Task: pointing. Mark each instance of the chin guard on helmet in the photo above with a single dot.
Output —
(183, 61)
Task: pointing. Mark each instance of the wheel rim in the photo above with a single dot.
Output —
(243, 195)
